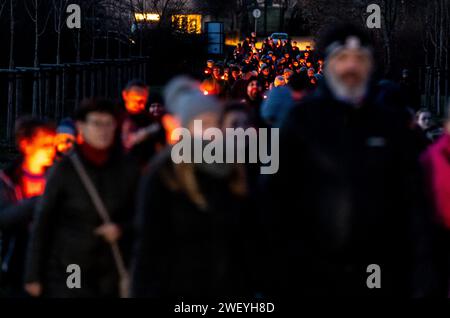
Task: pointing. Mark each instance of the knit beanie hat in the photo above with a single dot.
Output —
(185, 100)
(66, 126)
(193, 104)
(177, 88)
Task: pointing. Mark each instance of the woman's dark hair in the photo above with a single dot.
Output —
(95, 105)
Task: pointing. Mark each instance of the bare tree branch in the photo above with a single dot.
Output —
(45, 24)
(2, 6)
(32, 17)
(59, 13)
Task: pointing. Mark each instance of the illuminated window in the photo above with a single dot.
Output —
(147, 17)
(190, 23)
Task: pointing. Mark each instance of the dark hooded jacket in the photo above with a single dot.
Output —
(348, 194)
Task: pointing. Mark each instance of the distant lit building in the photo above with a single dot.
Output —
(182, 16)
(147, 17)
(190, 23)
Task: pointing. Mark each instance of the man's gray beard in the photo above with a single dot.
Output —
(342, 92)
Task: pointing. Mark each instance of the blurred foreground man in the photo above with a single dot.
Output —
(68, 228)
(347, 201)
(20, 187)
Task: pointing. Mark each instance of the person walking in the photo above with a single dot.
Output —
(68, 228)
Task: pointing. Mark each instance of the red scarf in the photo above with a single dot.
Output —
(95, 156)
(437, 163)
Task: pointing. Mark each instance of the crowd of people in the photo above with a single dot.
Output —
(362, 180)
(250, 74)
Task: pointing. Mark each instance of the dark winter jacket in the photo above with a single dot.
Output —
(183, 250)
(348, 194)
(66, 219)
(15, 218)
(145, 149)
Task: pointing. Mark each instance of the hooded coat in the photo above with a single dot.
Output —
(348, 194)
